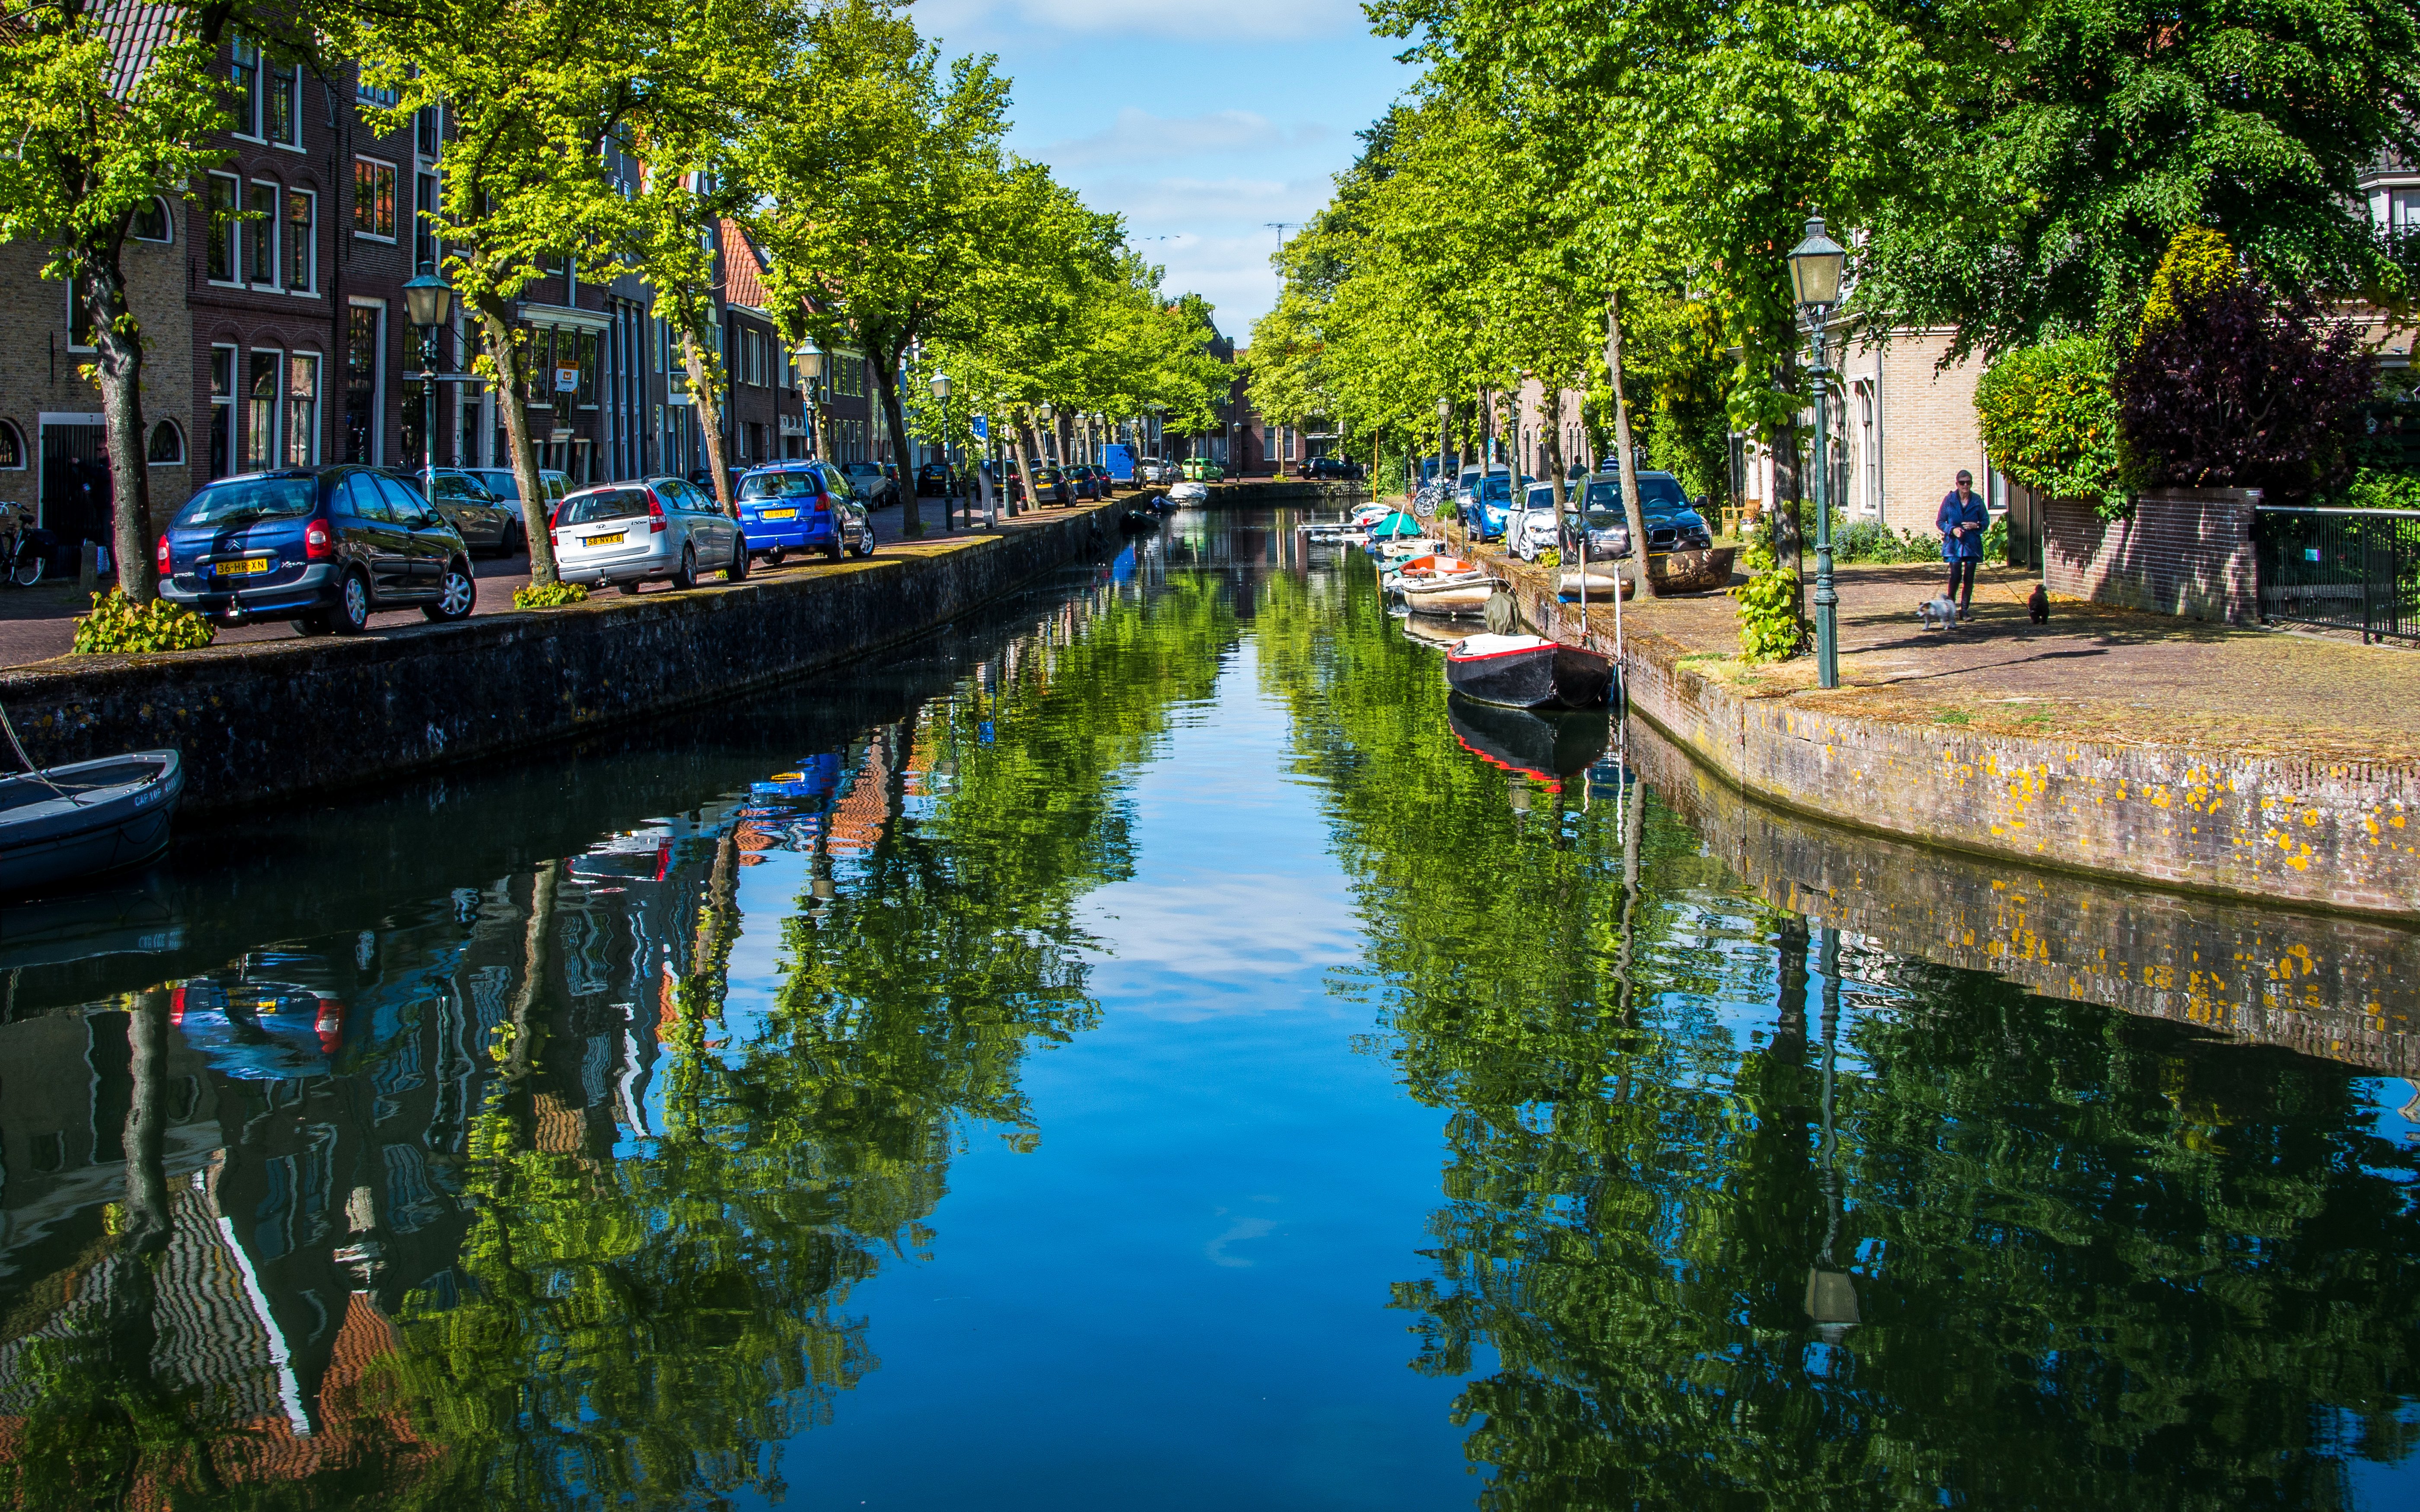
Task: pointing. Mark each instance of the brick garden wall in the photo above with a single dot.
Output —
(2185, 551)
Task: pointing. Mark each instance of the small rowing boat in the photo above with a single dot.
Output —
(1448, 596)
(1600, 585)
(1529, 672)
(61, 825)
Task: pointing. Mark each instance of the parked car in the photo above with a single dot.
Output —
(786, 507)
(872, 485)
(1086, 480)
(323, 547)
(936, 480)
(1530, 525)
(1050, 487)
(501, 482)
(1155, 470)
(1671, 524)
(1201, 469)
(1334, 467)
(1486, 514)
(1190, 491)
(630, 533)
(484, 522)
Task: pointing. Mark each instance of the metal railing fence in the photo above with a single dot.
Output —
(2349, 569)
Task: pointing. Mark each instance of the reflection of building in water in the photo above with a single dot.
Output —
(219, 1349)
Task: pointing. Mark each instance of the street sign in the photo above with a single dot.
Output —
(566, 380)
(983, 428)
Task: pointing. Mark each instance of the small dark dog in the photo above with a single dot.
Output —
(2038, 605)
(1938, 613)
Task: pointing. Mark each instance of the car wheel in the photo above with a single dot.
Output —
(738, 571)
(865, 542)
(458, 593)
(831, 547)
(352, 614)
(685, 576)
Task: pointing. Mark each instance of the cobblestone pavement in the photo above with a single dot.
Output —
(39, 622)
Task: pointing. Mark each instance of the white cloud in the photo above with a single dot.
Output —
(1231, 928)
(1233, 20)
(1139, 136)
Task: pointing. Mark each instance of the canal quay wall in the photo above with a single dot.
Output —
(2274, 830)
(2336, 985)
(261, 721)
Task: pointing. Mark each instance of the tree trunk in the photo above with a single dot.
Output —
(1624, 459)
(886, 384)
(512, 406)
(1789, 525)
(117, 346)
(708, 405)
(538, 954)
(147, 1124)
(1555, 455)
(1018, 454)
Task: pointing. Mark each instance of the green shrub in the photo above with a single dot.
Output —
(2373, 488)
(1871, 540)
(1996, 538)
(1770, 627)
(2050, 421)
(1551, 558)
(116, 624)
(1757, 551)
(549, 595)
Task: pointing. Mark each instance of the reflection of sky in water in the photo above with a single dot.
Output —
(1179, 1300)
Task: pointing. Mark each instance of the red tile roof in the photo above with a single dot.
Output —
(743, 275)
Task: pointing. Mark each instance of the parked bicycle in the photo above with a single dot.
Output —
(24, 548)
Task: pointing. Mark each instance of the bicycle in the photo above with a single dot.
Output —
(24, 548)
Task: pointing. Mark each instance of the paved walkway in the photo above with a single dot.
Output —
(39, 622)
(2093, 672)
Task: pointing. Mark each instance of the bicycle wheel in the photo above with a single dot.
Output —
(25, 566)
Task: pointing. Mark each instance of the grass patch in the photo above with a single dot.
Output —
(1953, 716)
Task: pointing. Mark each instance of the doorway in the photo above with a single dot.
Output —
(76, 492)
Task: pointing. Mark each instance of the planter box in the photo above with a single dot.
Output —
(2186, 551)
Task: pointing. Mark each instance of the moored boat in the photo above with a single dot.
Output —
(1529, 672)
(1553, 747)
(61, 825)
(1600, 585)
(1448, 596)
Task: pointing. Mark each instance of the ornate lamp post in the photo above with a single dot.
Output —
(1445, 422)
(428, 301)
(1815, 267)
(811, 381)
(1050, 435)
(942, 395)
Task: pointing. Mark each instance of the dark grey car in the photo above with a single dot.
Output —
(489, 526)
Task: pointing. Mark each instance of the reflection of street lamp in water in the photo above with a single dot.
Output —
(1831, 1295)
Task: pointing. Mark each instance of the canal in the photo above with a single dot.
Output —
(1142, 1047)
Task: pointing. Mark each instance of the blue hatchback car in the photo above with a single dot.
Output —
(803, 506)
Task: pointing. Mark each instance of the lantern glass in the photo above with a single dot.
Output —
(811, 360)
(1815, 267)
(428, 299)
(941, 386)
(1445, 410)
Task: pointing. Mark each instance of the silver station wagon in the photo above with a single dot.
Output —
(662, 529)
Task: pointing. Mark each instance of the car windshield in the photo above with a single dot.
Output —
(241, 501)
(603, 504)
(1603, 519)
(1656, 496)
(776, 485)
(502, 486)
(449, 487)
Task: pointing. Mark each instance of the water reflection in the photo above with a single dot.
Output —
(538, 1135)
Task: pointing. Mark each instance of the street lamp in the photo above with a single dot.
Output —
(1815, 267)
(1050, 429)
(810, 359)
(1445, 420)
(941, 395)
(428, 299)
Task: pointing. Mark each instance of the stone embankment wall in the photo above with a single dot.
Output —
(269, 719)
(2184, 551)
(2336, 985)
(2302, 832)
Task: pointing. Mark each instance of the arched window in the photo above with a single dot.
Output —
(12, 447)
(152, 223)
(168, 443)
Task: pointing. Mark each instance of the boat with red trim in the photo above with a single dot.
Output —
(1529, 672)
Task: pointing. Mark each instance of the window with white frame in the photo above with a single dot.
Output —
(152, 223)
(243, 80)
(302, 408)
(374, 199)
(282, 107)
(260, 234)
(225, 261)
(301, 244)
(370, 94)
(263, 370)
(2404, 209)
(79, 317)
(167, 445)
(222, 412)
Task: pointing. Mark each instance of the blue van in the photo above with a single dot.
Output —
(803, 506)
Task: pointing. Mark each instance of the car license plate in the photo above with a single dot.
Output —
(781, 513)
(249, 566)
(614, 539)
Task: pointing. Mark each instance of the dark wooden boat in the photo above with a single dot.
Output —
(1529, 672)
(1552, 747)
(64, 824)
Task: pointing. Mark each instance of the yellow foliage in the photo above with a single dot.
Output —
(2198, 262)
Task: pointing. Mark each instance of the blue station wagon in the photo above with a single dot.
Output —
(323, 547)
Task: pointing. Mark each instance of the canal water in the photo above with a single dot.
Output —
(1144, 1046)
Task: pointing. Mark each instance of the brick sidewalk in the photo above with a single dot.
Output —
(39, 622)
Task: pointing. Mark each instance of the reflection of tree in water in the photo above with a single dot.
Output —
(2091, 1260)
(646, 1329)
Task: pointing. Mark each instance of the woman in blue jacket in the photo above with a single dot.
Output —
(1963, 520)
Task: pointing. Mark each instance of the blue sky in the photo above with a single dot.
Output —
(1198, 123)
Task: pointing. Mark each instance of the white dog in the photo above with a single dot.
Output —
(1938, 613)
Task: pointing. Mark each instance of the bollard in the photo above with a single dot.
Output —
(89, 567)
